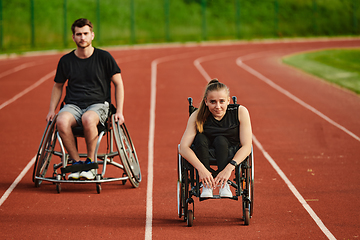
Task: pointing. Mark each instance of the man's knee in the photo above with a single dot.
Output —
(90, 119)
(65, 121)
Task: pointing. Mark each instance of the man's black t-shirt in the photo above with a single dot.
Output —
(88, 79)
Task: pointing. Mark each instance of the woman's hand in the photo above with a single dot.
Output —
(224, 175)
(206, 178)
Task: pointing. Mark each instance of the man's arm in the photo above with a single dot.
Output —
(119, 97)
(55, 99)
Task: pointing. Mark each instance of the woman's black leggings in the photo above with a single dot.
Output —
(201, 148)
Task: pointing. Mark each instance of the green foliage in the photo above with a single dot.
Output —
(173, 20)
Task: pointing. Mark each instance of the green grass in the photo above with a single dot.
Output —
(339, 66)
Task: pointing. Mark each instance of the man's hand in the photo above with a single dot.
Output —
(119, 117)
(50, 116)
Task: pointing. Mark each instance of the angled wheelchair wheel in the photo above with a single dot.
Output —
(251, 185)
(127, 153)
(45, 152)
(181, 188)
(190, 218)
(248, 190)
(39, 150)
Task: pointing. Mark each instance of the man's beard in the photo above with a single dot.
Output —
(84, 44)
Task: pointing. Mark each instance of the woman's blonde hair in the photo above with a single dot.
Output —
(203, 111)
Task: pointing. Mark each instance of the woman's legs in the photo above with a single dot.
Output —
(201, 149)
(221, 145)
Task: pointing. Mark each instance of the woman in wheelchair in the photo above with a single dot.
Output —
(215, 125)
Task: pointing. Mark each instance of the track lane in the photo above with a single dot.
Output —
(122, 211)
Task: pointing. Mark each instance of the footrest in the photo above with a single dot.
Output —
(79, 168)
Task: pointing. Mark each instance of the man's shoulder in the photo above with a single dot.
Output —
(68, 55)
(102, 52)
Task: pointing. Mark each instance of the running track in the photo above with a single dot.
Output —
(306, 148)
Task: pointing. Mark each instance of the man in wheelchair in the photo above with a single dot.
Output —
(215, 125)
(89, 72)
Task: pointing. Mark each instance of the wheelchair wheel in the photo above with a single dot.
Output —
(247, 191)
(180, 188)
(127, 153)
(190, 218)
(45, 152)
(251, 185)
(39, 150)
(246, 215)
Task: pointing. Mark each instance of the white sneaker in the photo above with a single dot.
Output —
(206, 192)
(225, 191)
(89, 175)
(74, 176)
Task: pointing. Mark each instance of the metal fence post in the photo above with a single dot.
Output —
(315, 17)
(98, 21)
(204, 30)
(132, 22)
(1, 26)
(276, 18)
(65, 23)
(167, 11)
(32, 21)
(237, 18)
(355, 23)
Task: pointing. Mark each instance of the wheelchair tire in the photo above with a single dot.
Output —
(246, 216)
(251, 185)
(45, 153)
(190, 218)
(127, 153)
(39, 150)
(180, 187)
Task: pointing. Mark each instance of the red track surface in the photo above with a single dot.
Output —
(318, 158)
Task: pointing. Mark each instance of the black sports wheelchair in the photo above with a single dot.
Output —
(123, 157)
(188, 185)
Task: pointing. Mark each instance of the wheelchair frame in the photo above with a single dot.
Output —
(188, 185)
(113, 132)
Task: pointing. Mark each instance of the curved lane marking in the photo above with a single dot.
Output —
(241, 64)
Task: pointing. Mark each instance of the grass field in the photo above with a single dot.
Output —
(339, 66)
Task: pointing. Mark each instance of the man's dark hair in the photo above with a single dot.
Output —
(81, 22)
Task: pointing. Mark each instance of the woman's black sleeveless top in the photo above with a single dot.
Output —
(228, 126)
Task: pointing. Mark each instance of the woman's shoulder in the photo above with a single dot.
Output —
(243, 112)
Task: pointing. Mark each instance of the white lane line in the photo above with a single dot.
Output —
(16, 69)
(292, 188)
(150, 179)
(33, 86)
(26, 169)
(241, 64)
(17, 180)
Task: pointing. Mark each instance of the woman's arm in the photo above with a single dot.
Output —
(186, 152)
(246, 142)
